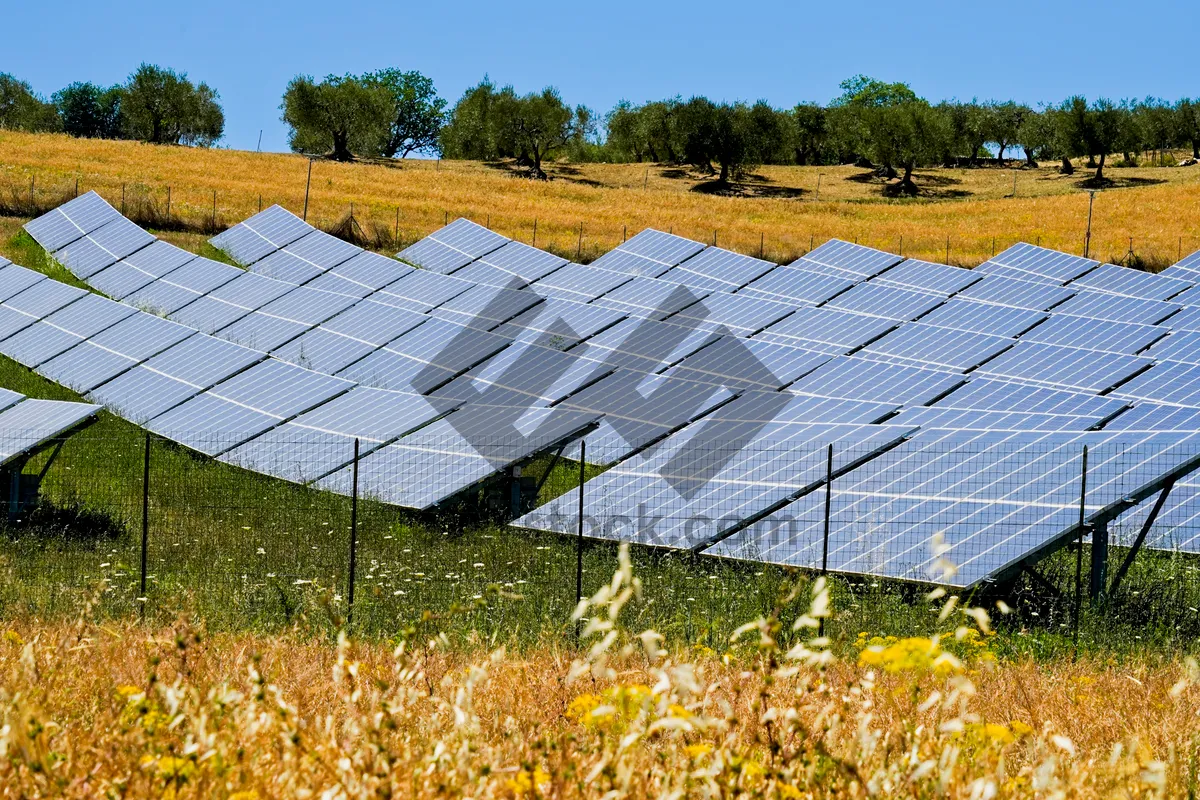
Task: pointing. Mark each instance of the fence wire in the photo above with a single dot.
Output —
(131, 525)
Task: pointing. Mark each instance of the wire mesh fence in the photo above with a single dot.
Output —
(140, 526)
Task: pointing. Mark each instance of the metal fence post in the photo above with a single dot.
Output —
(1079, 552)
(1087, 239)
(145, 525)
(579, 536)
(825, 536)
(168, 204)
(307, 185)
(353, 539)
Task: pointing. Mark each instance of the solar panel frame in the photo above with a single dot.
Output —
(995, 394)
(830, 330)
(103, 247)
(941, 279)
(260, 235)
(452, 247)
(1098, 305)
(798, 286)
(1131, 283)
(230, 301)
(182, 286)
(1127, 338)
(715, 269)
(1057, 366)
(60, 331)
(649, 253)
(854, 378)
(879, 300)
(70, 221)
(113, 351)
(918, 344)
(981, 317)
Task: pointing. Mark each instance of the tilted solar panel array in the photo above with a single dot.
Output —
(26, 424)
(658, 339)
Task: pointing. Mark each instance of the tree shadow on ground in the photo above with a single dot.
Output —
(747, 189)
(68, 521)
(1107, 182)
(564, 172)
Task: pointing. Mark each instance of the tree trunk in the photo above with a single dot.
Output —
(1067, 167)
(1099, 170)
(1029, 159)
(1196, 148)
(341, 147)
(906, 183)
(724, 178)
(1091, 162)
(1000, 156)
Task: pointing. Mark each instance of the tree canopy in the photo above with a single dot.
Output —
(162, 106)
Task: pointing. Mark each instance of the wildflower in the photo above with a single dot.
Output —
(1020, 729)
(248, 794)
(913, 654)
(582, 707)
(697, 750)
(527, 782)
(127, 692)
(14, 638)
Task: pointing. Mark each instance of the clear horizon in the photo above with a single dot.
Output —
(1030, 52)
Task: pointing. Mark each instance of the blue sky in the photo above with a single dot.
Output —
(597, 53)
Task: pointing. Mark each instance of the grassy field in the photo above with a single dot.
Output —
(781, 215)
(119, 710)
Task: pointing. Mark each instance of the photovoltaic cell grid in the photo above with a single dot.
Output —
(656, 499)
(1038, 264)
(26, 423)
(261, 235)
(847, 260)
(990, 498)
(453, 247)
(649, 254)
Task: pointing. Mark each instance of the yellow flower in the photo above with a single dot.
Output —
(127, 692)
(1020, 729)
(999, 734)
(169, 768)
(582, 707)
(248, 794)
(786, 790)
(676, 710)
(914, 654)
(526, 782)
(14, 638)
(697, 750)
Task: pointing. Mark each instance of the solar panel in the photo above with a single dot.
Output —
(878, 300)
(173, 376)
(641, 409)
(799, 286)
(70, 221)
(991, 498)
(924, 276)
(920, 345)
(245, 406)
(991, 394)
(361, 275)
(64, 329)
(261, 235)
(104, 246)
(111, 352)
(1187, 269)
(1165, 382)
(1040, 263)
(486, 307)
(852, 260)
(742, 315)
(426, 357)
(452, 247)
(1098, 305)
(970, 315)
(15, 279)
(348, 337)
(1186, 320)
(676, 496)
(569, 322)
(649, 253)
(9, 398)
(1156, 417)
(776, 409)
(527, 373)
(31, 423)
(399, 473)
(514, 260)
(1131, 283)
(179, 287)
(829, 330)
(972, 419)
(39, 300)
(304, 259)
(230, 302)
(138, 269)
(1095, 334)
(284, 319)
(853, 378)
(744, 364)
(579, 283)
(1064, 367)
(1179, 346)
(422, 291)
(716, 270)
(649, 298)
(321, 441)
(1017, 293)
(645, 345)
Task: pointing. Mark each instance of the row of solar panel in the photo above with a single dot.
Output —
(701, 246)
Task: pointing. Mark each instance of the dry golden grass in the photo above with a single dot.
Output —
(120, 711)
(970, 207)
